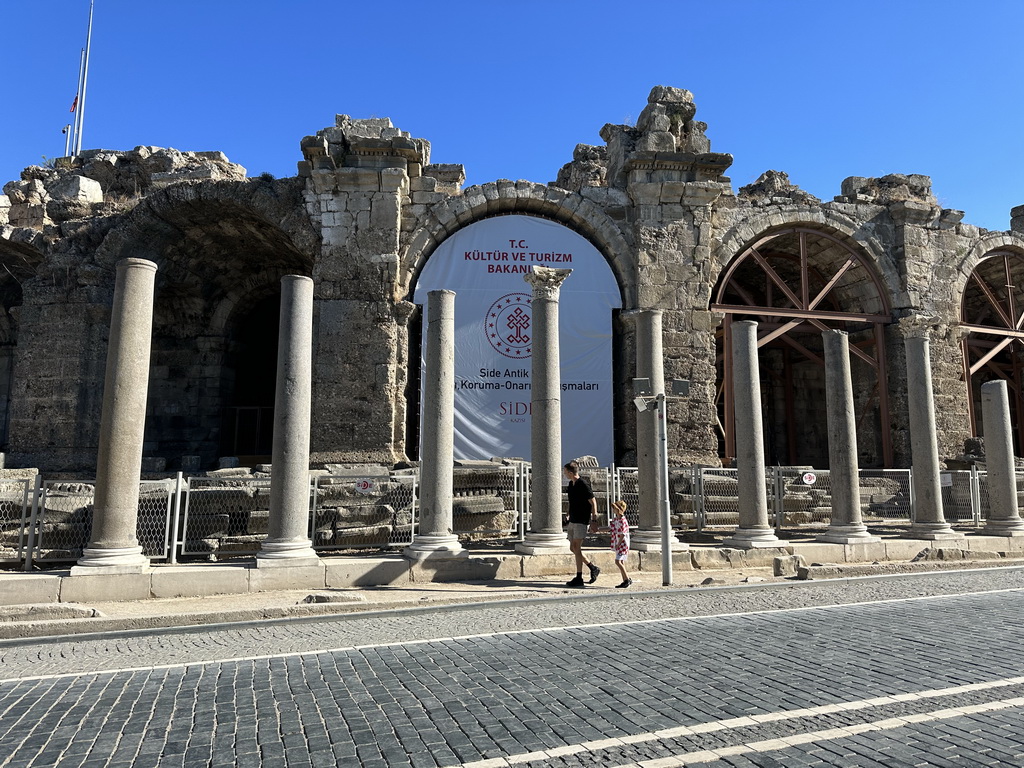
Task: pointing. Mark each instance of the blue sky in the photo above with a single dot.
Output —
(822, 90)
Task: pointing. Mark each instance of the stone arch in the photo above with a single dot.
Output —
(503, 197)
(797, 279)
(991, 316)
(221, 249)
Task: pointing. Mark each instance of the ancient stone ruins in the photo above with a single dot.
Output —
(926, 303)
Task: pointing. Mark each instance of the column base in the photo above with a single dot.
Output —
(754, 538)
(647, 540)
(544, 544)
(111, 560)
(855, 533)
(1008, 528)
(294, 552)
(932, 532)
(445, 546)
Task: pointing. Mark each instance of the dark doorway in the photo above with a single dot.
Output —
(251, 373)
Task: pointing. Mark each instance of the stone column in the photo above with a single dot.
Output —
(114, 545)
(435, 537)
(929, 520)
(650, 364)
(287, 541)
(1004, 514)
(846, 526)
(754, 530)
(546, 534)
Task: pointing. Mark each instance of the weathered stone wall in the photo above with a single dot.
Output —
(364, 213)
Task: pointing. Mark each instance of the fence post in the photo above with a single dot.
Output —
(175, 517)
(975, 495)
(910, 479)
(36, 492)
(698, 497)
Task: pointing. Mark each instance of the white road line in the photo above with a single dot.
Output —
(774, 745)
(683, 731)
(503, 633)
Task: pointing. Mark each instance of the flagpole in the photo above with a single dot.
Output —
(85, 80)
(67, 139)
(75, 105)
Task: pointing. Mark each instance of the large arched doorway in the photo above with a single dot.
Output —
(797, 282)
(485, 264)
(992, 311)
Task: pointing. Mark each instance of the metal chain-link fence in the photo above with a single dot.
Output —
(224, 516)
(15, 513)
(360, 512)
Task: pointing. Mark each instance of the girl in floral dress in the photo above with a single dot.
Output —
(619, 527)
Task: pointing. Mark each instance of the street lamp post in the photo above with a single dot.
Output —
(644, 401)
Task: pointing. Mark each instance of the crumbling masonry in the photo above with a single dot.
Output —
(881, 260)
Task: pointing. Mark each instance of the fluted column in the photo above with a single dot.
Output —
(847, 525)
(113, 545)
(754, 530)
(546, 534)
(435, 537)
(287, 541)
(929, 519)
(1004, 514)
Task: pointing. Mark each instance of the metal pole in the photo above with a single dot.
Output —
(666, 519)
(36, 492)
(174, 525)
(78, 104)
(85, 80)
(67, 139)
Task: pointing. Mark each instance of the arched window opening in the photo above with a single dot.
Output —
(992, 312)
(796, 283)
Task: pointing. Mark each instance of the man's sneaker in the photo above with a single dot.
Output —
(624, 584)
(594, 572)
(577, 582)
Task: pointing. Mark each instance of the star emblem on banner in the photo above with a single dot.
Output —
(508, 325)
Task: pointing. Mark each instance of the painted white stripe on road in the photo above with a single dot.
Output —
(689, 758)
(484, 635)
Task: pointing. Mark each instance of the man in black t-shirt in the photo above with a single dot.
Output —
(582, 509)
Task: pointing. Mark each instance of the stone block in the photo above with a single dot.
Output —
(105, 587)
(366, 572)
(198, 580)
(867, 552)
(286, 576)
(457, 568)
(988, 543)
(651, 561)
(716, 558)
(24, 588)
(788, 565)
(904, 549)
(549, 565)
(819, 552)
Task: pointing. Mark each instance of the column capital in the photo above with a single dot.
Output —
(546, 281)
(917, 326)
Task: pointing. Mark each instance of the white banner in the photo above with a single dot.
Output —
(484, 264)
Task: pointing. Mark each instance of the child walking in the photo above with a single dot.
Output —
(619, 527)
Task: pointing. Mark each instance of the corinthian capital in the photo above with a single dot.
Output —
(546, 281)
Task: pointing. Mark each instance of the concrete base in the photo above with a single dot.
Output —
(438, 569)
(543, 544)
(848, 534)
(1004, 528)
(97, 586)
(932, 532)
(367, 572)
(287, 552)
(28, 588)
(446, 546)
(123, 559)
(753, 538)
(287, 576)
(199, 580)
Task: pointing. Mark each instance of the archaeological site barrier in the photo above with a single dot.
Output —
(48, 522)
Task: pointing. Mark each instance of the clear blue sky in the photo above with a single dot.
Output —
(822, 90)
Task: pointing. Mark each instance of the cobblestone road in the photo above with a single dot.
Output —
(933, 677)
